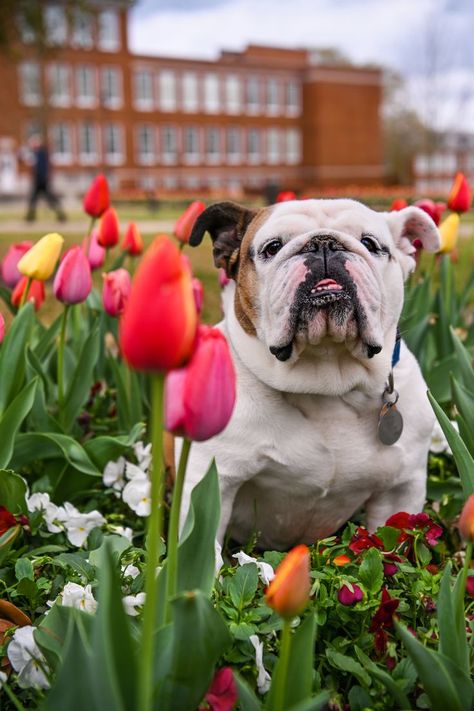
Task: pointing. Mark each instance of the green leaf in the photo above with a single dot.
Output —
(12, 419)
(359, 699)
(452, 625)
(381, 675)
(7, 539)
(52, 633)
(316, 703)
(106, 449)
(48, 445)
(247, 699)
(81, 382)
(389, 536)
(464, 360)
(13, 491)
(24, 569)
(243, 586)
(12, 356)
(348, 664)
(464, 461)
(78, 562)
(371, 570)
(111, 546)
(464, 401)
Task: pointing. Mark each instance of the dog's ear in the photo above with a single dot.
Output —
(227, 223)
(411, 225)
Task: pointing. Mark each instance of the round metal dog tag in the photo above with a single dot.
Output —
(390, 425)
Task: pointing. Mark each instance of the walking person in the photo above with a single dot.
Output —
(41, 180)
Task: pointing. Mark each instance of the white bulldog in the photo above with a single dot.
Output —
(311, 318)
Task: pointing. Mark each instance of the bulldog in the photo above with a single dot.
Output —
(311, 318)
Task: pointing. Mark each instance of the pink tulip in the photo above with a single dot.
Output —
(198, 291)
(10, 274)
(95, 251)
(73, 281)
(2, 328)
(200, 397)
(346, 596)
(223, 278)
(116, 290)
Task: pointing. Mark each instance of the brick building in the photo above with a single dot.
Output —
(241, 121)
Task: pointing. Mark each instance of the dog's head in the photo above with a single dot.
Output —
(316, 277)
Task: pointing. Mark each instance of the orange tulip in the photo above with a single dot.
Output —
(288, 593)
(184, 224)
(109, 229)
(459, 199)
(466, 522)
(132, 241)
(158, 326)
(398, 204)
(97, 198)
(36, 292)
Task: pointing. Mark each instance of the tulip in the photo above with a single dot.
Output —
(36, 292)
(223, 278)
(109, 229)
(466, 521)
(73, 281)
(459, 199)
(132, 242)
(95, 251)
(349, 597)
(433, 209)
(39, 262)
(97, 198)
(184, 224)
(198, 291)
(2, 328)
(10, 274)
(200, 397)
(288, 593)
(116, 291)
(398, 204)
(159, 323)
(286, 195)
(448, 231)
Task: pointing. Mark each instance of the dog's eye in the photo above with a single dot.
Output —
(272, 248)
(369, 244)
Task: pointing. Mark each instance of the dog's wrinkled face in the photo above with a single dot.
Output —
(314, 272)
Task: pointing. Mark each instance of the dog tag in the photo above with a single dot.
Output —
(390, 424)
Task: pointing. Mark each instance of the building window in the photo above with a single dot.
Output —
(30, 83)
(272, 101)
(88, 143)
(233, 148)
(113, 144)
(55, 24)
(82, 29)
(273, 145)
(293, 146)
(190, 92)
(252, 95)
(293, 98)
(85, 86)
(145, 147)
(111, 86)
(254, 145)
(167, 92)
(211, 93)
(191, 144)
(61, 146)
(232, 94)
(143, 89)
(213, 140)
(169, 144)
(109, 31)
(27, 33)
(59, 84)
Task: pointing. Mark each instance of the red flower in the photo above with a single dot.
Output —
(222, 694)
(470, 585)
(97, 198)
(349, 597)
(198, 291)
(109, 229)
(185, 223)
(132, 241)
(73, 281)
(383, 620)
(2, 328)
(459, 199)
(433, 209)
(466, 521)
(398, 204)
(404, 520)
(10, 274)
(7, 520)
(390, 561)
(116, 291)
(286, 195)
(362, 540)
(36, 292)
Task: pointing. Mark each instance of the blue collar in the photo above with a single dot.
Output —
(396, 349)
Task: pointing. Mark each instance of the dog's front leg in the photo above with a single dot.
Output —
(408, 496)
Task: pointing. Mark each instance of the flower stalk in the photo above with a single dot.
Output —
(283, 663)
(24, 296)
(62, 341)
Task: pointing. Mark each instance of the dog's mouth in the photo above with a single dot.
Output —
(326, 292)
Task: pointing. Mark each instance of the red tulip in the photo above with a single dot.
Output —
(288, 593)
(10, 274)
(36, 292)
(200, 397)
(132, 242)
(198, 291)
(116, 291)
(222, 695)
(286, 195)
(2, 328)
(97, 198)
(184, 224)
(466, 522)
(398, 204)
(433, 209)
(73, 281)
(7, 520)
(95, 251)
(158, 326)
(109, 229)
(459, 199)
(348, 597)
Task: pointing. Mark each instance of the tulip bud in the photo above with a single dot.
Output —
(200, 397)
(288, 593)
(132, 242)
(2, 328)
(198, 291)
(466, 522)
(349, 597)
(159, 323)
(39, 262)
(36, 293)
(286, 195)
(184, 224)
(96, 253)
(73, 281)
(459, 199)
(10, 274)
(109, 229)
(448, 231)
(433, 209)
(97, 198)
(398, 204)
(116, 291)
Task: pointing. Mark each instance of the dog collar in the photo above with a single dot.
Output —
(396, 348)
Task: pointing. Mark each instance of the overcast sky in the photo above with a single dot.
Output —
(429, 41)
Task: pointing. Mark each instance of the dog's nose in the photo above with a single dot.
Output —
(324, 242)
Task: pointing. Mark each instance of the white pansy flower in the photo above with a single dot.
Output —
(137, 494)
(131, 602)
(3, 678)
(143, 454)
(126, 532)
(132, 471)
(439, 443)
(113, 475)
(51, 512)
(263, 678)
(265, 570)
(27, 660)
(79, 525)
(130, 571)
(74, 595)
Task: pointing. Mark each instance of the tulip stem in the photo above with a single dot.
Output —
(283, 662)
(173, 528)
(62, 339)
(154, 535)
(13, 698)
(24, 296)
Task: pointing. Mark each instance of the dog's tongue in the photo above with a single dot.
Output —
(328, 284)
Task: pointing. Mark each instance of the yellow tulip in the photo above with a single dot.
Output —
(40, 260)
(448, 230)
